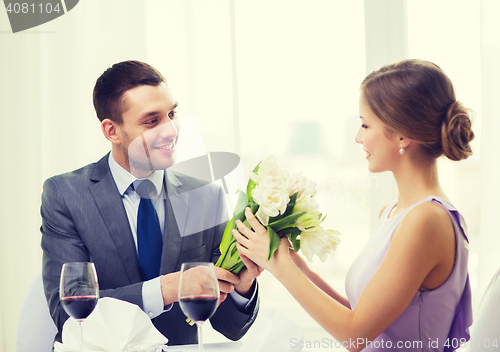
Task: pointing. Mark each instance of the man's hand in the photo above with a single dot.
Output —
(227, 282)
(170, 287)
(247, 277)
(170, 284)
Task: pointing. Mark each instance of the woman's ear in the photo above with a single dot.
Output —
(404, 142)
(110, 130)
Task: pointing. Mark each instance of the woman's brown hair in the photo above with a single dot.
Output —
(416, 98)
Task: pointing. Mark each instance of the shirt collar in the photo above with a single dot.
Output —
(123, 178)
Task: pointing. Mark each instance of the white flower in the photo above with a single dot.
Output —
(272, 190)
(318, 241)
(307, 204)
(308, 221)
(269, 172)
(272, 201)
(311, 218)
(300, 183)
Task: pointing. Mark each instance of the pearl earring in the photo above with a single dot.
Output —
(402, 150)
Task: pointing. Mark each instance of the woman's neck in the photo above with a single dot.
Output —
(416, 182)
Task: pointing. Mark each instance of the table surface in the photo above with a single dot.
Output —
(208, 347)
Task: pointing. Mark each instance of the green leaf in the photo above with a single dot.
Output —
(236, 268)
(234, 250)
(251, 184)
(293, 199)
(288, 210)
(253, 206)
(232, 257)
(240, 216)
(256, 168)
(220, 261)
(247, 224)
(286, 221)
(242, 203)
(295, 241)
(227, 239)
(292, 230)
(274, 242)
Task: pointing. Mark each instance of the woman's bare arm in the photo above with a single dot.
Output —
(415, 250)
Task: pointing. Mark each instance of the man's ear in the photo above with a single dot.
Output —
(110, 130)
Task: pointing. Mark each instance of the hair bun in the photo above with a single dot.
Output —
(456, 132)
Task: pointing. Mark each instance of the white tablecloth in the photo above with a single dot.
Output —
(208, 347)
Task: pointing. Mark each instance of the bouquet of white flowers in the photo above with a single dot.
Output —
(285, 204)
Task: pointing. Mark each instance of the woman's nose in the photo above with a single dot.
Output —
(359, 137)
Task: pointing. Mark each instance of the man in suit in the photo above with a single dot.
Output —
(91, 214)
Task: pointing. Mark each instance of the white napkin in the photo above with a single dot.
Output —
(273, 332)
(111, 327)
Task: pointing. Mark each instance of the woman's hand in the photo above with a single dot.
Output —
(298, 260)
(254, 244)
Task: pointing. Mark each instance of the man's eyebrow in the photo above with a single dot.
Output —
(149, 114)
(156, 112)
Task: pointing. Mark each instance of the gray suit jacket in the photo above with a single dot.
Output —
(83, 219)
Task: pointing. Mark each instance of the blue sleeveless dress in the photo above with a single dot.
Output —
(436, 320)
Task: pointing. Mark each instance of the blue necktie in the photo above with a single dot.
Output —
(149, 239)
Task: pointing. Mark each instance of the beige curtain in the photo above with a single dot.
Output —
(489, 260)
(47, 74)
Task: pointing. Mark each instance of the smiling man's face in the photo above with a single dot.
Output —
(148, 133)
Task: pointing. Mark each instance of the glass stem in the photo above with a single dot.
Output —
(200, 339)
(81, 336)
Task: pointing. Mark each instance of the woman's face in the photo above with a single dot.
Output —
(380, 143)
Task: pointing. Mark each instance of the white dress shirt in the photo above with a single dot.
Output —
(151, 290)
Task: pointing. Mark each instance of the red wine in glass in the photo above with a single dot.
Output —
(78, 291)
(79, 307)
(198, 293)
(199, 308)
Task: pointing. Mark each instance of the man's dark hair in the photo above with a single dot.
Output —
(115, 81)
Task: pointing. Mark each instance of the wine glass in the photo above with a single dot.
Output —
(78, 291)
(198, 298)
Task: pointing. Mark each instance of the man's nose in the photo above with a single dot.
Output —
(169, 129)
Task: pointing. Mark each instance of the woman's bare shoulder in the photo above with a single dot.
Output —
(382, 210)
(427, 220)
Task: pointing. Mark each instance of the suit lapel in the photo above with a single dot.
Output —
(176, 207)
(110, 205)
